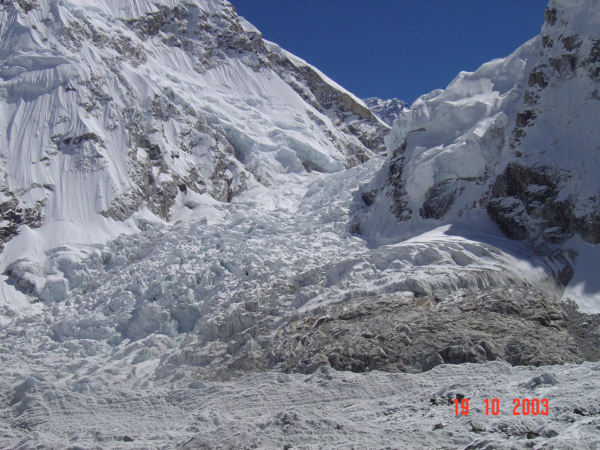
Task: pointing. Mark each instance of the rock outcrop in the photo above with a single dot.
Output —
(403, 333)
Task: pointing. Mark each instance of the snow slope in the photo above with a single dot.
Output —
(109, 110)
(227, 231)
(224, 270)
(517, 139)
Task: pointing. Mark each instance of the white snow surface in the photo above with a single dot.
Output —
(292, 246)
(177, 292)
(326, 410)
(122, 327)
(455, 122)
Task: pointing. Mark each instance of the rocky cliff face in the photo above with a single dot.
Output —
(132, 107)
(516, 139)
(550, 189)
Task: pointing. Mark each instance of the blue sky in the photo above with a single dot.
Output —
(395, 48)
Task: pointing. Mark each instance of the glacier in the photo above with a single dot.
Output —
(208, 243)
(108, 117)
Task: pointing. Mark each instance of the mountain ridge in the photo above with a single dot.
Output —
(500, 141)
(386, 110)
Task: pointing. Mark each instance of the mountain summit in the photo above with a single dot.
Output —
(386, 110)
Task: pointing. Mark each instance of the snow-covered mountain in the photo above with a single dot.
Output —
(517, 140)
(386, 110)
(112, 111)
(185, 204)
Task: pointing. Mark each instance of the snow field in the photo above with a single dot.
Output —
(117, 329)
(99, 114)
(329, 409)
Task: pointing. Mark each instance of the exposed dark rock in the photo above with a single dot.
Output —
(397, 190)
(150, 25)
(164, 109)
(594, 52)
(537, 78)
(551, 16)
(530, 99)
(27, 5)
(547, 42)
(572, 42)
(162, 198)
(123, 207)
(13, 215)
(126, 48)
(524, 202)
(75, 140)
(369, 197)
(585, 329)
(403, 333)
(476, 427)
(592, 62)
(74, 35)
(395, 185)
(524, 118)
(439, 199)
(412, 336)
(564, 65)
